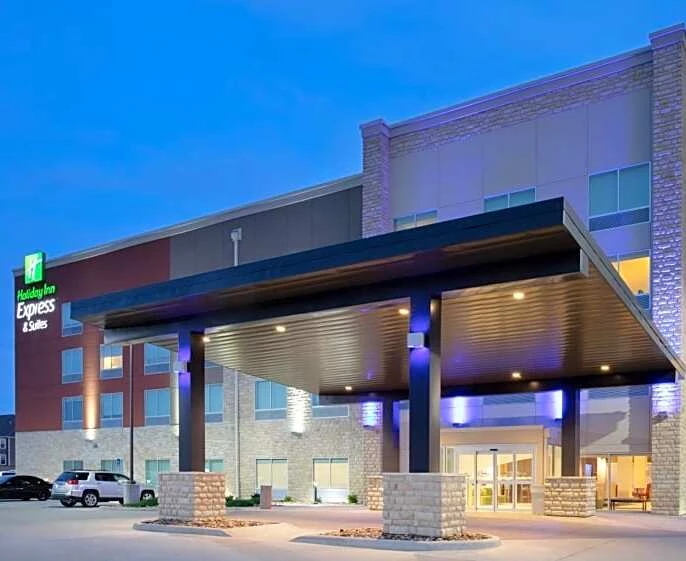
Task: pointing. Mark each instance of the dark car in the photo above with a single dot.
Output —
(24, 487)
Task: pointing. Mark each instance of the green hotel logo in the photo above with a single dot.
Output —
(33, 267)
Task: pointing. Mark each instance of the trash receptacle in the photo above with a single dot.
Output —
(537, 493)
(265, 496)
(132, 493)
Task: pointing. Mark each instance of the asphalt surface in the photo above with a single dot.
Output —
(40, 531)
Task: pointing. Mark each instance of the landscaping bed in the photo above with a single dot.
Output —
(219, 522)
(378, 534)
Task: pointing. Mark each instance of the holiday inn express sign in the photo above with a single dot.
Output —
(37, 299)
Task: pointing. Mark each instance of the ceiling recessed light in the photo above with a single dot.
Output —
(516, 375)
(280, 329)
(348, 388)
(604, 367)
(518, 295)
(404, 311)
(206, 339)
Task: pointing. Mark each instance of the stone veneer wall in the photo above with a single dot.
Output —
(375, 492)
(192, 494)
(376, 217)
(569, 496)
(668, 426)
(424, 504)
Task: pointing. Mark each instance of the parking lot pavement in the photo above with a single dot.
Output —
(39, 531)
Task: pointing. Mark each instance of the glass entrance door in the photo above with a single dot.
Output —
(496, 480)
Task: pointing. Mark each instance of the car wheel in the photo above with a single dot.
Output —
(43, 495)
(147, 495)
(67, 502)
(89, 499)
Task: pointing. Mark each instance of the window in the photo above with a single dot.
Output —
(507, 200)
(111, 409)
(214, 403)
(619, 197)
(3, 443)
(415, 220)
(70, 326)
(114, 466)
(214, 466)
(71, 465)
(72, 365)
(270, 400)
(111, 361)
(72, 412)
(157, 359)
(327, 411)
(274, 473)
(331, 473)
(107, 477)
(3, 459)
(635, 272)
(157, 405)
(152, 470)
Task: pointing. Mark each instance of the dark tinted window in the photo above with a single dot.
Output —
(105, 477)
(121, 478)
(67, 475)
(32, 480)
(5, 478)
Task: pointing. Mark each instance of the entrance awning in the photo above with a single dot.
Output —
(330, 320)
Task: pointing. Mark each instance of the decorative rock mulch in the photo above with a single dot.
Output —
(218, 522)
(378, 534)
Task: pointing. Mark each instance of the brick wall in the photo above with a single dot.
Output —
(376, 218)
(569, 496)
(191, 494)
(668, 432)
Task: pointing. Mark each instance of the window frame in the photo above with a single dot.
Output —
(71, 379)
(619, 257)
(278, 492)
(509, 194)
(328, 411)
(71, 424)
(214, 416)
(159, 367)
(157, 469)
(71, 326)
(330, 461)
(413, 217)
(270, 413)
(112, 421)
(156, 420)
(616, 171)
(111, 373)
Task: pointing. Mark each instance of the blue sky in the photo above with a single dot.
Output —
(119, 117)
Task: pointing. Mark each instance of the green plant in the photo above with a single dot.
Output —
(352, 499)
(288, 499)
(145, 503)
(234, 502)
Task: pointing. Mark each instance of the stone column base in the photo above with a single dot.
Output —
(191, 494)
(569, 496)
(375, 492)
(424, 504)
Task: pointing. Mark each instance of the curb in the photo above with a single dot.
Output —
(400, 545)
(171, 529)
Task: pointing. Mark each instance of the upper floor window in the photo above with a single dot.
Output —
(111, 361)
(72, 412)
(214, 403)
(327, 411)
(270, 400)
(157, 406)
(619, 197)
(635, 272)
(415, 220)
(72, 365)
(507, 200)
(70, 326)
(111, 409)
(157, 359)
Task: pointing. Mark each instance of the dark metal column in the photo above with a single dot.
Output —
(192, 402)
(425, 384)
(571, 443)
(390, 450)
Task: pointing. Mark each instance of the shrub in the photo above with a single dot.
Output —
(234, 502)
(145, 503)
(352, 499)
(288, 499)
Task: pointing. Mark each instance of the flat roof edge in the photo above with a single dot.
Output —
(292, 197)
(533, 88)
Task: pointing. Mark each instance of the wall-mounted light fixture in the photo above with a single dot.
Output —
(415, 340)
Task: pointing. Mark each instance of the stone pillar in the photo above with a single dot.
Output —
(424, 504)
(569, 496)
(668, 425)
(190, 494)
(375, 492)
(376, 217)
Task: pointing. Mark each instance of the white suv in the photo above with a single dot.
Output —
(92, 487)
